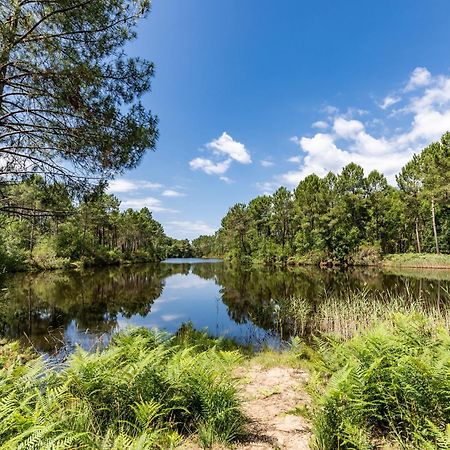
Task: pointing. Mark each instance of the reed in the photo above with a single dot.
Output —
(347, 313)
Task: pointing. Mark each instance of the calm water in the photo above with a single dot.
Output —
(58, 310)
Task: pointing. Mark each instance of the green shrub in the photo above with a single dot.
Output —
(143, 391)
(388, 384)
(44, 255)
(311, 258)
(366, 255)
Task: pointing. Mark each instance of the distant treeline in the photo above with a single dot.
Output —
(345, 218)
(48, 230)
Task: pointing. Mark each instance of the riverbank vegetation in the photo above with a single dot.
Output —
(417, 260)
(93, 231)
(386, 385)
(144, 391)
(346, 313)
(345, 218)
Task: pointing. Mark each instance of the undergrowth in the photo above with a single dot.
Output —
(386, 387)
(144, 391)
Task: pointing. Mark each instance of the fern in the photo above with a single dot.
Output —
(391, 381)
(142, 392)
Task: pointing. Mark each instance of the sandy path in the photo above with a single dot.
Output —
(268, 395)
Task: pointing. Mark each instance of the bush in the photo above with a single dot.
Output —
(13, 246)
(312, 258)
(44, 255)
(366, 255)
(387, 385)
(144, 391)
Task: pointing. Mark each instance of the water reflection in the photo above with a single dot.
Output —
(57, 310)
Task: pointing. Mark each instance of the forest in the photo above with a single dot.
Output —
(71, 118)
(48, 230)
(345, 218)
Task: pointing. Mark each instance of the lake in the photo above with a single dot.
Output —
(55, 311)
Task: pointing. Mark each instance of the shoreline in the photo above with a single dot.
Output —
(390, 261)
(291, 399)
(417, 261)
(396, 260)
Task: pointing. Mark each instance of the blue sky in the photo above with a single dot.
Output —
(254, 94)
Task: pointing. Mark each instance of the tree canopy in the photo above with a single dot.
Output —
(70, 98)
(91, 231)
(347, 217)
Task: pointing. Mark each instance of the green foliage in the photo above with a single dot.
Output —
(349, 311)
(178, 248)
(91, 232)
(367, 255)
(390, 383)
(204, 246)
(346, 218)
(66, 80)
(144, 390)
(45, 255)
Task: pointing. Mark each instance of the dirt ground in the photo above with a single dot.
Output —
(269, 395)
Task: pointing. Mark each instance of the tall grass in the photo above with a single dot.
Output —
(348, 312)
(387, 387)
(144, 391)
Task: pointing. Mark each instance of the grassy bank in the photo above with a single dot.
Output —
(371, 257)
(417, 260)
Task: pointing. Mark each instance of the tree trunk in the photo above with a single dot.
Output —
(9, 35)
(32, 230)
(433, 217)
(419, 247)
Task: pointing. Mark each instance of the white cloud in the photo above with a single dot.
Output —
(122, 185)
(266, 163)
(320, 124)
(420, 77)
(152, 203)
(226, 180)
(172, 193)
(226, 145)
(187, 228)
(435, 97)
(389, 101)
(268, 187)
(210, 167)
(423, 119)
(355, 112)
(347, 129)
(295, 159)
(360, 140)
(330, 109)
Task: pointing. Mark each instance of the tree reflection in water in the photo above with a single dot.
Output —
(51, 309)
